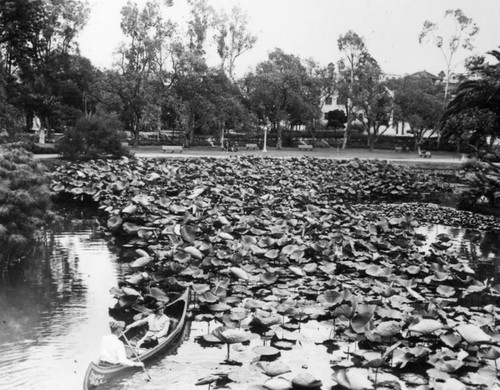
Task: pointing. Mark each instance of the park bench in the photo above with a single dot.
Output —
(398, 149)
(251, 146)
(305, 147)
(425, 154)
(172, 148)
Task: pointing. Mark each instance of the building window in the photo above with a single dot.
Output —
(328, 101)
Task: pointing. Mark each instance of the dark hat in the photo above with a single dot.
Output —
(157, 306)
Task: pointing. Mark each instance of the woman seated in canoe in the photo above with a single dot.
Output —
(113, 350)
(158, 326)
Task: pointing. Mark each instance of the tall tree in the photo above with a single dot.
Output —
(232, 38)
(139, 78)
(372, 101)
(455, 33)
(354, 55)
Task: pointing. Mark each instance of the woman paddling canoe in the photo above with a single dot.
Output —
(98, 374)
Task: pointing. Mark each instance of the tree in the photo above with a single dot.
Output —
(473, 127)
(336, 119)
(418, 103)
(475, 110)
(355, 53)
(35, 39)
(282, 91)
(139, 80)
(455, 33)
(232, 38)
(372, 102)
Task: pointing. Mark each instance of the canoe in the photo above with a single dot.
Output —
(97, 375)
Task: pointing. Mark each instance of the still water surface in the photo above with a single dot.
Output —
(54, 312)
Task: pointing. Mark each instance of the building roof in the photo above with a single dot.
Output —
(426, 75)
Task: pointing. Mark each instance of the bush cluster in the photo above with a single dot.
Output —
(93, 138)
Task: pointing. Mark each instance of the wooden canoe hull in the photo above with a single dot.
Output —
(97, 375)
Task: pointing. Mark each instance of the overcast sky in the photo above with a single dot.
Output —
(310, 29)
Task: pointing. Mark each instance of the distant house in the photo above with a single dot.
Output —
(423, 74)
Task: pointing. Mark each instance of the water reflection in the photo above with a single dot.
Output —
(480, 249)
(52, 309)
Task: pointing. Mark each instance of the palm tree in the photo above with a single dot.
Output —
(481, 95)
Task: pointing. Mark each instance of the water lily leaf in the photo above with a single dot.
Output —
(446, 291)
(296, 270)
(273, 368)
(449, 365)
(130, 209)
(226, 236)
(268, 278)
(159, 294)
(360, 321)
(193, 251)
(220, 307)
(131, 291)
(453, 384)
(268, 319)
(306, 381)
(451, 339)
(272, 254)
(353, 378)
(188, 233)
(142, 261)
(196, 192)
(265, 350)
(116, 292)
(387, 328)
(328, 268)
(239, 273)
(130, 228)
(297, 255)
(208, 297)
(114, 222)
(426, 326)
(200, 288)
(310, 268)
(142, 199)
(473, 334)
(277, 384)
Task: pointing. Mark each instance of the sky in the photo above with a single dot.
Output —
(310, 29)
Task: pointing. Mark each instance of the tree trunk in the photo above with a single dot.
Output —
(279, 144)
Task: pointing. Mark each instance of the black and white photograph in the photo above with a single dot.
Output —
(249, 195)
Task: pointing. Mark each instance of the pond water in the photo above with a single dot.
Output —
(54, 311)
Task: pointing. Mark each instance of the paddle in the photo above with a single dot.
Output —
(135, 353)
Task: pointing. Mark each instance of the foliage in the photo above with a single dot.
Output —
(24, 203)
(336, 119)
(93, 138)
(350, 67)
(456, 32)
(418, 103)
(232, 38)
(372, 102)
(36, 40)
(273, 246)
(474, 114)
(283, 90)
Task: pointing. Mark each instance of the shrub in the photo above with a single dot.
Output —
(24, 203)
(93, 138)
